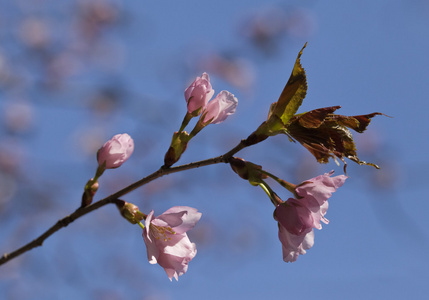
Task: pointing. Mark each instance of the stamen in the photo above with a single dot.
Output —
(161, 232)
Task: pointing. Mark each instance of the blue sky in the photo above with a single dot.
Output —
(367, 56)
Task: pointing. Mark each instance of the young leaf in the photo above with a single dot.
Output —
(283, 110)
(292, 95)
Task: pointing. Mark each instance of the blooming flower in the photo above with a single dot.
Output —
(115, 151)
(297, 217)
(218, 109)
(199, 93)
(167, 242)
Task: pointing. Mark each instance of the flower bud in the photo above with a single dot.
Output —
(91, 188)
(198, 94)
(178, 145)
(115, 151)
(218, 109)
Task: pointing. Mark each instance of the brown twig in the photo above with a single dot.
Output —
(112, 199)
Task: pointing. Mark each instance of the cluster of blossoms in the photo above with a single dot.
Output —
(214, 111)
(165, 236)
(323, 133)
(198, 96)
(296, 216)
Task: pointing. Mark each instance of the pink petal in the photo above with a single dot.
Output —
(174, 266)
(316, 192)
(147, 224)
(321, 187)
(116, 151)
(151, 246)
(183, 248)
(175, 259)
(199, 93)
(294, 245)
(181, 218)
(294, 216)
(220, 107)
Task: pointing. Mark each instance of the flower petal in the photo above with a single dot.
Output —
(218, 109)
(316, 192)
(174, 266)
(181, 218)
(147, 224)
(321, 187)
(183, 248)
(294, 245)
(115, 151)
(199, 93)
(294, 216)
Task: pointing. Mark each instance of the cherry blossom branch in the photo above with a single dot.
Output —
(64, 222)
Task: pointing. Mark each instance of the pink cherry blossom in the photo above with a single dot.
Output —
(115, 151)
(199, 93)
(218, 109)
(297, 217)
(167, 242)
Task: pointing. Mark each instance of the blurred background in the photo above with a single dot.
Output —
(75, 73)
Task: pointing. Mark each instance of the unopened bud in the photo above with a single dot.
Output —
(198, 94)
(91, 188)
(115, 151)
(179, 143)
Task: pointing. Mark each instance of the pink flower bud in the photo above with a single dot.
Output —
(199, 93)
(218, 109)
(115, 151)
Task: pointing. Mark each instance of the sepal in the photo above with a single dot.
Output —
(130, 211)
(247, 170)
